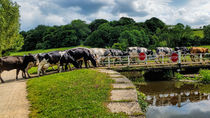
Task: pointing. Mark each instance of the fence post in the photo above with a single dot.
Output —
(179, 57)
(179, 61)
(128, 60)
(108, 61)
(146, 59)
(162, 59)
(201, 57)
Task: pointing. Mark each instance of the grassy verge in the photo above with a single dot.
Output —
(40, 51)
(204, 76)
(79, 93)
(141, 100)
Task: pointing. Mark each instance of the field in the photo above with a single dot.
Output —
(198, 33)
(79, 93)
(41, 51)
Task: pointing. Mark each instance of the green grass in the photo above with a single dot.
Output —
(205, 76)
(205, 46)
(198, 33)
(40, 51)
(80, 93)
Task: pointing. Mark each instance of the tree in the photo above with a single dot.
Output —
(10, 39)
(81, 28)
(154, 23)
(206, 34)
(133, 38)
(96, 23)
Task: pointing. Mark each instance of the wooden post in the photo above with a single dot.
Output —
(108, 61)
(179, 57)
(146, 59)
(128, 60)
(162, 59)
(200, 57)
(179, 61)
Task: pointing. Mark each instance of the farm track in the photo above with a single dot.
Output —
(13, 101)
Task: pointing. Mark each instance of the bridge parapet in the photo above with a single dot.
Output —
(158, 61)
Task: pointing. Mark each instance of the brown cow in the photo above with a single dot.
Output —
(16, 62)
(197, 50)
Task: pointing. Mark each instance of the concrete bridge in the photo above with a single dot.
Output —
(125, 63)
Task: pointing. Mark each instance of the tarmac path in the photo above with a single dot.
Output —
(13, 101)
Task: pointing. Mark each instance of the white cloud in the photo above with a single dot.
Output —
(54, 12)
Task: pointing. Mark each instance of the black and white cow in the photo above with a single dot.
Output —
(115, 54)
(49, 59)
(184, 51)
(99, 55)
(162, 52)
(134, 52)
(66, 59)
(82, 54)
(16, 62)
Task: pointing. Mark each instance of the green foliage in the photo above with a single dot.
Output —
(133, 38)
(118, 34)
(206, 34)
(205, 74)
(79, 93)
(96, 23)
(9, 26)
(141, 100)
(198, 33)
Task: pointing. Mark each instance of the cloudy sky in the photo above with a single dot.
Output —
(195, 13)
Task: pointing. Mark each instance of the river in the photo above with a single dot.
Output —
(172, 99)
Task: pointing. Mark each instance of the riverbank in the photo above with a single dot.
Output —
(203, 77)
(79, 93)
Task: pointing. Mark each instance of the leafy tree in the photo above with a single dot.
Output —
(133, 38)
(10, 39)
(206, 34)
(96, 23)
(154, 23)
(81, 28)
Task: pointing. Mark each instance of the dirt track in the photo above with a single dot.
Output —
(13, 102)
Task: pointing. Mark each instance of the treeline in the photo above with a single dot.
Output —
(116, 34)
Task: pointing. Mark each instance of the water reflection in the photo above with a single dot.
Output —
(171, 100)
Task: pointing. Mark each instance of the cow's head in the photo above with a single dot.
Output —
(29, 58)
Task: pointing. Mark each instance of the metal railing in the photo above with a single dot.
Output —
(154, 59)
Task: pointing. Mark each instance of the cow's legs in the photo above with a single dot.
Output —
(69, 67)
(86, 66)
(17, 72)
(2, 81)
(24, 73)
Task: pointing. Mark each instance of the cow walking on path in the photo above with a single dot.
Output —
(16, 62)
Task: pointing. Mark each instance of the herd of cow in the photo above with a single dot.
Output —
(77, 56)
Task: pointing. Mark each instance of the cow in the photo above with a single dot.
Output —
(99, 54)
(16, 62)
(162, 52)
(197, 50)
(184, 51)
(134, 52)
(115, 54)
(66, 59)
(82, 54)
(49, 59)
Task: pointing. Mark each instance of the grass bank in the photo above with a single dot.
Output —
(41, 51)
(204, 76)
(79, 93)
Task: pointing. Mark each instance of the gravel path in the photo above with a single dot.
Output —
(13, 102)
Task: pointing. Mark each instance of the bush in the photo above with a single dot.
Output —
(141, 100)
(205, 74)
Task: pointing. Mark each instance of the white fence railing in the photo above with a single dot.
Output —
(153, 59)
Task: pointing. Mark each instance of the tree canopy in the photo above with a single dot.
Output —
(10, 39)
